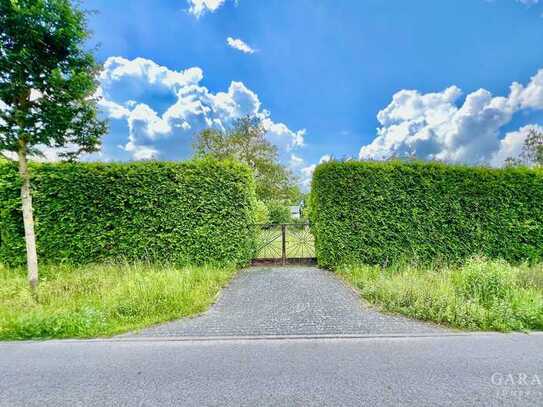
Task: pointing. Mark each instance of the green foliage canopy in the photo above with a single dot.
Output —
(533, 148)
(246, 142)
(532, 151)
(47, 79)
(262, 214)
(278, 212)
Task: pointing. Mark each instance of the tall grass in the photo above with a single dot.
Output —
(103, 300)
(480, 295)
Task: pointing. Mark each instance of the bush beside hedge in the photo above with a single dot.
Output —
(278, 212)
(191, 212)
(379, 213)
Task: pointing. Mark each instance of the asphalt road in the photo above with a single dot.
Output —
(468, 370)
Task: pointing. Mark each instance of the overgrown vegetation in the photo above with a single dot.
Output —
(194, 212)
(382, 212)
(102, 300)
(479, 295)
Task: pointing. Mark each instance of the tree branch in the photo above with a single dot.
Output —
(3, 155)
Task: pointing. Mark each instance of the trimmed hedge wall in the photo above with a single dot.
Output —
(380, 213)
(191, 212)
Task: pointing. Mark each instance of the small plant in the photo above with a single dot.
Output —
(484, 281)
(531, 277)
(278, 212)
(262, 214)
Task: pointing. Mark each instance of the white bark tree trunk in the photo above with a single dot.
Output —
(28, 218)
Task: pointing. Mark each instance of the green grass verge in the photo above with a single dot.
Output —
(480, 295)
(103, 300)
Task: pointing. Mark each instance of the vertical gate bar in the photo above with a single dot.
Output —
(284, 244)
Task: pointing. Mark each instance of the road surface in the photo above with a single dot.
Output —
(444, 370)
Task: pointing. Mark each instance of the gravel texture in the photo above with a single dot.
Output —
(288, 301)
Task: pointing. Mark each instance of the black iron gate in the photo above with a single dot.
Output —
(290, 243)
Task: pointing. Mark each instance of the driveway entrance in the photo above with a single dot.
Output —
(289, 301)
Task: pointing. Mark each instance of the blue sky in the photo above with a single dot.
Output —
(367, 78)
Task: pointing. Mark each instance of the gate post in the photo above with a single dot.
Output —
(284, 244)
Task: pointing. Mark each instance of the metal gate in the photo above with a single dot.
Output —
(290, 243)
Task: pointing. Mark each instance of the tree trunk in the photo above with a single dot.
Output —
(28, 218)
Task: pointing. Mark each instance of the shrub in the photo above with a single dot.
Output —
(262, 214)
(383, 212)
(278, 212)
(192, 212)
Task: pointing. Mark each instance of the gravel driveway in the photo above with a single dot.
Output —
(289, 301)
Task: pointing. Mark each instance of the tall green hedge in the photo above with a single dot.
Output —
(191, 212)
(380, 213)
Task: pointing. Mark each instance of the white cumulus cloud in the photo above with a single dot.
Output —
(439, 126)
(240, 45)
(155, 112)
(512, 144)
(306, 173)
(200, 7)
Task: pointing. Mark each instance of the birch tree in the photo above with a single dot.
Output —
(47, 83)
